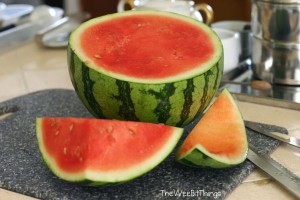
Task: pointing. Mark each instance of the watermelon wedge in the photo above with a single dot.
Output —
(99, 152)
(219, 139)
(149, 66)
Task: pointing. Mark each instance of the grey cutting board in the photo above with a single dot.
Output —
(22, 169)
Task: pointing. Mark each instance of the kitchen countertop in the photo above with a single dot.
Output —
(31, 68)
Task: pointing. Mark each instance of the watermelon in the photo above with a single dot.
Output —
(219, 139)
(149, 66)
(98, 152)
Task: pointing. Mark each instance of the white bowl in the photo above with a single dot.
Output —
(244, 30)
(233, 25)
(231, 46)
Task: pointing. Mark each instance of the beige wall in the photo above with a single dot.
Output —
(224, 10)
(230, 9)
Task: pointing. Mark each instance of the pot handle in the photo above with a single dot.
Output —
(207, 10)
(122, 3)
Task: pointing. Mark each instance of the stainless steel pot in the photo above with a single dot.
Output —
(275, 62)
(276, 40)
(276, 20)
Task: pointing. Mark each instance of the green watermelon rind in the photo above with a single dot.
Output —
(174, 101)
(111, 98)
(199, 157)
(96, 178)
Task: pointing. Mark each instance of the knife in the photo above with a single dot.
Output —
(289, 180)
(279, 136)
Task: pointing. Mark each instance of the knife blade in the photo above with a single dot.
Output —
(289, 180)
(279, 136)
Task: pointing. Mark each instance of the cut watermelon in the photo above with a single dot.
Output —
(147, 66)
(219, 139)
(103, 152)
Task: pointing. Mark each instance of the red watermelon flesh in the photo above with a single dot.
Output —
(167, 46)
(109, 149)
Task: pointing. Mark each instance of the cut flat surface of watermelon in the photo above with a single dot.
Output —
(145, 46)
(100, 152)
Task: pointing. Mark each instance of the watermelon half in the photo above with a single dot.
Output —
(219, 139)
(149, 66)
(99, 152)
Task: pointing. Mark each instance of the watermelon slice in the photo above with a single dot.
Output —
(149, 66)
(219, 139)
(103, 152)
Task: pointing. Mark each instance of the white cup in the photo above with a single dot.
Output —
(231, 46)
(244, 30)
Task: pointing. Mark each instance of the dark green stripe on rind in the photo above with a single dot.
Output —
(219, 74)
(211, 84)
(70, 61)
(71, 64)
(206, 96)
(127, 110)
(162, 110)
(188, 100)
(88, 85)
(198, 159)
(174, 104)
(75, 72)
(94, 183)
(83, 85)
